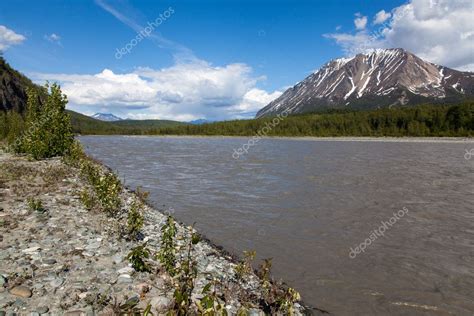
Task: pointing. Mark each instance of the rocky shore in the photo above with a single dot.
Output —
(62, 259)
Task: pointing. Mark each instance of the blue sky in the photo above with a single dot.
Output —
(206, 59)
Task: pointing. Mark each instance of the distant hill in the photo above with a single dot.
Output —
(86, 125)
(108, 117)
(382, 78)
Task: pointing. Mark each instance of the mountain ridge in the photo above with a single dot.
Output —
(381, 78)
(106, 117)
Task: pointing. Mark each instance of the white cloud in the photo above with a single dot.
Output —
(9, 38)
(360, 22)
(53, 38)
(439, 31)
(184, 91)
(381, 17)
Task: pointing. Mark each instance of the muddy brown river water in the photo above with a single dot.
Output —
(307, 203)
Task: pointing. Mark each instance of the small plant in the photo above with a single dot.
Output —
(244, 268)
(185, 276)
(107, 190)
(167, 254)
(142, 195)
(210, 304)
(107, 186)
(87, 199)
(243, 311)
(286, 302)
(264, 273)
(35, 205)
(135, 219)
(137, 257)
(74, 155)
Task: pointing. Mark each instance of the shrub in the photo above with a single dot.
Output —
(107, 190)
(137, 258)
(167, 254)
(210, 304)
(244, 268)
(74, 155)
(48, 131)
(135, 219)
(106, 186)
(185, 276)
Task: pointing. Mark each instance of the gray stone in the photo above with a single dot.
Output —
(161, 303)
(126, 270)
(3, 280)
(57, 282)
(35, 314)
(124, 278)
(93, 245)
(75, 313)
(49, 261)
(42, 309)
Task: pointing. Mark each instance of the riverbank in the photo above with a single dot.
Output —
(406, 139)
(58, 258)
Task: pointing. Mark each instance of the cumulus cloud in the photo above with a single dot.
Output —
(360, 22)
(9, 38)
(381, 17)
(182, 92)
(439, 31)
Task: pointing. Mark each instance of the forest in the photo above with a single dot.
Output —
(424, 120)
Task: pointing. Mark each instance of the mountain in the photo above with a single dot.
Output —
(107, 117)
(381, 78)
(83, 124)
(199, 122)
(13, 87)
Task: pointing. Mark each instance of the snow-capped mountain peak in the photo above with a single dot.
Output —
(108, 117)
(382, 77)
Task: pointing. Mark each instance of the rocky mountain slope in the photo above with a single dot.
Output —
(13, 87)
(381, 78)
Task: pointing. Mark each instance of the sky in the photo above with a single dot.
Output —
(216, 60)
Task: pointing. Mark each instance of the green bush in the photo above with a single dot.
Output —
(167, 254)
(137, 257)
(106, 186)
(47, 131)
(135, 219)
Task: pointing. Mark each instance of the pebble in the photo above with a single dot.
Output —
(21, 291)
(3, 280)
(49, 261)
(31, 250)
(124, 278)
(75, 313)
(56, 282)
(42, 309)
(126, 270)
(161, 303)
